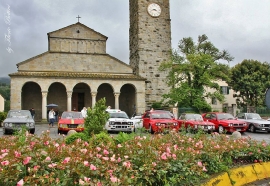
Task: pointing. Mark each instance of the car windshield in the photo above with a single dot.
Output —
(119, 115)
(196, 117)
(161, 115)
(224, 116)
(71, 115)
(253, 116)
(19, 114)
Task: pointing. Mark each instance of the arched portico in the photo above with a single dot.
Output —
(81, 97)
(127, 99)
(106, 91)
(31, 98)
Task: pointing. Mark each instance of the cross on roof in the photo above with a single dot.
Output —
(78, 18)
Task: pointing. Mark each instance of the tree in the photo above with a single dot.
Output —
(250, 79)
(96, 118)
(194, 68)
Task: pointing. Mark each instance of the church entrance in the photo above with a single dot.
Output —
(81, 97)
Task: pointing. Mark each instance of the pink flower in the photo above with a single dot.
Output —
(66, 160)
(126, 157)
(204, 169)
(93, 167)
(99, 155)
(84, 150)
(46, 143)
(163, 156)
(20, 183)
(17, 154)
(48, 159)
(52, 165)
(4, 150)
(98, 149)
(127, 164)
(105, 152)
(26, 160)
(105, 158)
(5, 162)
(81, 182)
(114, 179)
(36, 167)
(86, 179)
(86, 144)
(154, 164)
(56, 145)
(86, 163)
(199, 163)
(168, 150)
(119, 145)
(119, 160)
(174, 156)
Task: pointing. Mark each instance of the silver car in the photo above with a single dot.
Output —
(255, 122)
(17, 119)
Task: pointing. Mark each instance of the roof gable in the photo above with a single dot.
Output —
(77, 31)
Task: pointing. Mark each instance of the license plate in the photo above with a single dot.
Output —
(238, 129)
(263, 129)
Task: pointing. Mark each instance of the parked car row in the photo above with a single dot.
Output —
(155, 121)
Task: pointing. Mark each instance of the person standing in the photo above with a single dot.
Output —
(51, 117)
(84, 112)
(33, 112)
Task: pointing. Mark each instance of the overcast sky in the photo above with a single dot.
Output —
(240, 26)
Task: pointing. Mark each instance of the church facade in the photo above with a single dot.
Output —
(76, 71)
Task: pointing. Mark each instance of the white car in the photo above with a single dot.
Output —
(119, 122)
(138, 121)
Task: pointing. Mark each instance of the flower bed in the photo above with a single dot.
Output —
(171, 159)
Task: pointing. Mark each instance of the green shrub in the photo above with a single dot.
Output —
(96, 118)
(102, 138)
(79, 135)
(3, 116)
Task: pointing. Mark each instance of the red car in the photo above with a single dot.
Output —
(71, 120)
(195, 122)
(159, 121)
(225, 121)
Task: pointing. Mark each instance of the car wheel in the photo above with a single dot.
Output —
(32, 131)
(151, 130)
(252, 128)
(220, 129)
(59, 131)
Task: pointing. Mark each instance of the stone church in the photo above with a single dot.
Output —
(76, 71)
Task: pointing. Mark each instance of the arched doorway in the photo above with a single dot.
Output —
(57, 94)
(106, 90)
(127, 99)
(81, 97)
(32, 98)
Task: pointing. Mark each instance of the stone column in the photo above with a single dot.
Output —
(44, 104)
(116, 96)
(69, 95)
(94, 95)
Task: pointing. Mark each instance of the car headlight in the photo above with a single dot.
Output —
(111, 123)
(157, 124)
(130, 123)
(175, 124)
(8, 124)
(29, 124)
(230, 124)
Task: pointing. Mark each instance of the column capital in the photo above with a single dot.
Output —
(94, 93)
(44, 93)
(69, 94)
(116, 94)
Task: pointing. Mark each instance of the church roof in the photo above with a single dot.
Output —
(76, 24)
(79, 75)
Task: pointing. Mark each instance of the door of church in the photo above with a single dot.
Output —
(77, 101)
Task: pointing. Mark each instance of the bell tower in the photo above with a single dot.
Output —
(150, 44)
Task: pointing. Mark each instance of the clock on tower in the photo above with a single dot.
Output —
(149, 44)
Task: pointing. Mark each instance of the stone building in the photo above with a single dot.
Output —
(76, 71)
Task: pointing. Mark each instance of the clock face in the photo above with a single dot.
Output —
(154, 9)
